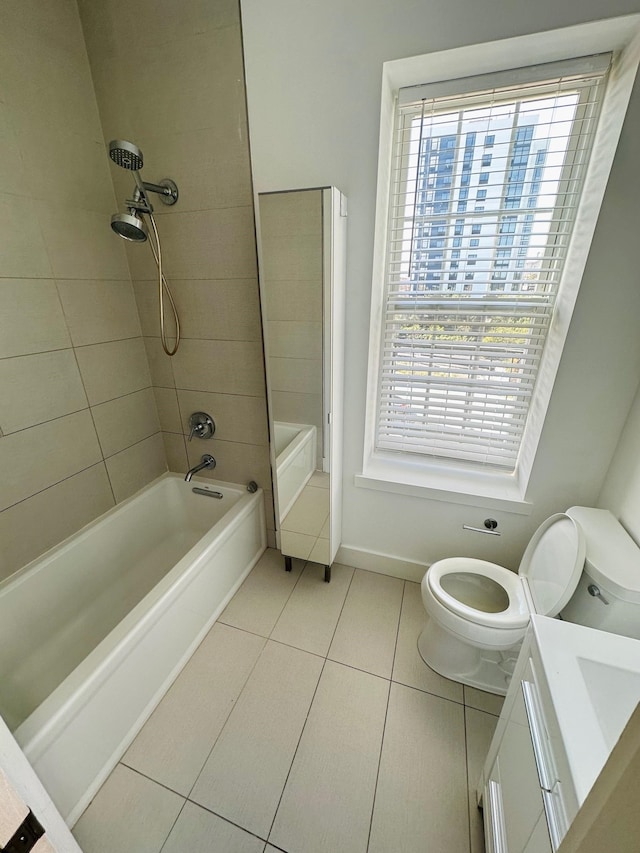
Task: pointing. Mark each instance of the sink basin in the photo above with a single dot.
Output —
(593, 679)
(614, 693)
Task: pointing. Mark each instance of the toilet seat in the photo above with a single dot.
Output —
(516, 614)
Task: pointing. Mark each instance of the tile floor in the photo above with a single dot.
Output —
(307, 723)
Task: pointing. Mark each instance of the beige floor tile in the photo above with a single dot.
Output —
(479, 732)
(199, 831)
(129, 812)
(245, 774)
(320, 552)
(320, 480)
(326, 805)
(296, 544)
(421, 797)
(309, 512)
(481, 701)
(310, 616)
(174, 744)
(368, 626)
(408, 667)
(260, 600)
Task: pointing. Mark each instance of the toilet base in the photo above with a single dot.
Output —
(453, 658)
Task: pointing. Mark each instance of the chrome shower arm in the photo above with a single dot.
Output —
(166, 189)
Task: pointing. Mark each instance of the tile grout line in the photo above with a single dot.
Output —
(226, 719)
(266, 640)
(466, 768)
(386, 714)
(275, 814)
(225, 819)
(182, 808)
(293, 758)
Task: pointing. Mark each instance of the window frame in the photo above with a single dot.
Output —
(458, 482)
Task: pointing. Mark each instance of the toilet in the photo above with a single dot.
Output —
(581, 564)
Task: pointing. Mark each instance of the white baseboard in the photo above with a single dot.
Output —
(385, 564)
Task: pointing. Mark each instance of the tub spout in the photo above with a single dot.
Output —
(207, 462)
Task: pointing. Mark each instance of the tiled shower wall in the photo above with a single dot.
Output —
(169, 77)
(79, 429)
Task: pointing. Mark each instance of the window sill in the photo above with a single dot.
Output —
(443, 482)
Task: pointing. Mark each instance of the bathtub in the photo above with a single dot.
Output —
(295, 461)
(93, 633)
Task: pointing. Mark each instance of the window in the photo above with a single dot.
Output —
(458, 367)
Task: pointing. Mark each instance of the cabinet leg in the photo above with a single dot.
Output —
(287, 564)
(327, 574)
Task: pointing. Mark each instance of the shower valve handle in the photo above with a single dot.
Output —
(201, 425)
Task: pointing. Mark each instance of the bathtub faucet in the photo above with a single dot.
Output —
(207, 462)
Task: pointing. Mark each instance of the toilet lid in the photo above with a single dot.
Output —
(552, 563)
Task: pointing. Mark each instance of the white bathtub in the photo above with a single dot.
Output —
(295, 461)
(93, 633)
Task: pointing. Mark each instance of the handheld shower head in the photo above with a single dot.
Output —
(130, 226)
(126, 154)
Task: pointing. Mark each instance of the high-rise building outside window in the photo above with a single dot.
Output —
(459, 359)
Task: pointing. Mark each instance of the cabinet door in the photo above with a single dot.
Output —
(493, 812)
(539, 841)
(521, 794)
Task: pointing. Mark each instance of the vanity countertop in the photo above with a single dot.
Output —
(594, 681)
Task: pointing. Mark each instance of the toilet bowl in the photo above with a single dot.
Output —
(478, 612)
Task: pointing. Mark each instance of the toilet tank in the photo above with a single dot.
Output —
(608, 593)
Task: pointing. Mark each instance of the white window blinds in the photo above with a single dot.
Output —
(484, 191)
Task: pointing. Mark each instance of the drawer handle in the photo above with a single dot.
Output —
(556, 821)
(496, 818)
(544, 763)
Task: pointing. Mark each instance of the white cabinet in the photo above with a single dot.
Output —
(524, 808)
(572, 692)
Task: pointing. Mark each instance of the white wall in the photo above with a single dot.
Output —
(621, 490)
(313, 74)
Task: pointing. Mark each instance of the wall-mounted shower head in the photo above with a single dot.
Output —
(130, 226)
(126, 154)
